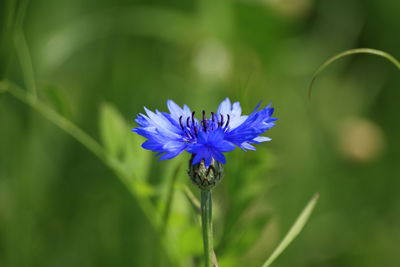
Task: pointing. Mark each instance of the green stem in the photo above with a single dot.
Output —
(206, 221)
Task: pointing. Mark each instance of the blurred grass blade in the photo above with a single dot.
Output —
(195, 203)
(348, 53)
(294, 230)
(169, 198)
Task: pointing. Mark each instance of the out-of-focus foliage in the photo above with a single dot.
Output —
(97, 63)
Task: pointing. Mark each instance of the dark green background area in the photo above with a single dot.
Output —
(59, 204)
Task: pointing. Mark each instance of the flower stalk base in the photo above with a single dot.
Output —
(206, 221)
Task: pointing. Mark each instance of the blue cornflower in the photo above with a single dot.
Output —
(171, 133)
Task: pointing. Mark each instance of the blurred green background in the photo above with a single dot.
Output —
(97, 63)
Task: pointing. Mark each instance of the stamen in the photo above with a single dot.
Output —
(222, 120)
(195, 130)
(188, 122)
(213, 120)
(180, 122)
(227, 121)
(204, 121)
(193, 118)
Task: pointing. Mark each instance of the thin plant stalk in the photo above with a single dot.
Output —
(206, 221)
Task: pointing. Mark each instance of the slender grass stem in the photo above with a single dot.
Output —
(346, 53)
(206, 221)
(192, 199)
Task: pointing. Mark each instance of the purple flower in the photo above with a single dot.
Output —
(171, 133)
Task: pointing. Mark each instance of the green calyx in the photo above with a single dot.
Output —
(205, 178)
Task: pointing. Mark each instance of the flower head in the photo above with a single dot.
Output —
(171, 133)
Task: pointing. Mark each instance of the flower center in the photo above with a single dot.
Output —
(192, 127)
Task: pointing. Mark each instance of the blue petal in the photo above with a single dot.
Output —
(142, 120)
(225, 107)
(218, 156)
(152, 145)
(216, 135)
(247, 146)
(163, 135)
(202, 138)
(210, 145)
(176, 111)
(197, 158)
(260, 139)
(255, 124)
(170, 155)
(207, 159)
(234, 111)
(174, 147)
(224, 146)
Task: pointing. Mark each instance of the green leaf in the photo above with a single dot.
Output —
(123, 147)
(136, 160)
(371, 51)
(294, 230)
(113, 130)
(58, 100)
